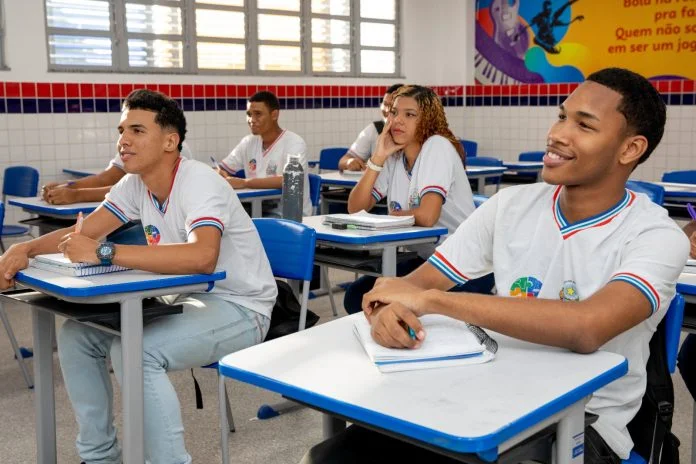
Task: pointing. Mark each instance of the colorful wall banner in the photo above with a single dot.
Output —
(536, 41)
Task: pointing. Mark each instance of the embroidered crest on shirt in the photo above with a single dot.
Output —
(414, 200)
(252, 165)
(394, 206)
(525, 287)
(152, 235)
(569, 291)
(272, 169)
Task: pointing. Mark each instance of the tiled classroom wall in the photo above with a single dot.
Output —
(56, 120)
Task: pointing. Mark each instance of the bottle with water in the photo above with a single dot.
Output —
(293, 188)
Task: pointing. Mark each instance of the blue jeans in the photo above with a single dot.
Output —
(208, 329)
(352, 300)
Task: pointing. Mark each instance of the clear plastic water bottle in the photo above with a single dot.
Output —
(293, 188)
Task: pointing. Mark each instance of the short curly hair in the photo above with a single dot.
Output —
(168, 115)
(432, 116)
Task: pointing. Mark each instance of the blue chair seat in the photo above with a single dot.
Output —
(14, 230)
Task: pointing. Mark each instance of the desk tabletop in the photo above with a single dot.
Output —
(676, 191)
(254, 193)
(686, 285)
(82, 172)
(39, 206)
(347, 178)
(524, 164)
(466, 409)
(364, 237)
(476, 171)
(106, 284)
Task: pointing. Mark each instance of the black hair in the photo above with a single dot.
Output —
(394, 88)
(269, 98)
(640, 104)
(168, 115)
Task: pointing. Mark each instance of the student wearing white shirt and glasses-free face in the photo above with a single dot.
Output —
(194, 224)
(364, 145)
(580, 262)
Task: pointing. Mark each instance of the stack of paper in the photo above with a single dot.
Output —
(448, 342)
(367, 221)
(57, 262)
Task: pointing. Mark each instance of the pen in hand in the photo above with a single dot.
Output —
(691, 210)
(78, 225)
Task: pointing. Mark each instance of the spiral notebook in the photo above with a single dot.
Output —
(448, 342)
(57, 262)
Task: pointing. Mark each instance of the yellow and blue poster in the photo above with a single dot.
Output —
(536, 41)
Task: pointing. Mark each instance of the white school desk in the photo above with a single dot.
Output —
(82, 172)
(525, 166)
(678, 193)
(386, 240)
(39, 207)
(483, 409)
(256, 198)
(128, 289)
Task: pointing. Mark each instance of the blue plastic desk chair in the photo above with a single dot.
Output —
(655, 192)
(531, 156)
(329, 157)
(18, 181)
(470, 147)
(314, 191)
(681, 177)
(487, 161)
(525, 177)
(290, 249)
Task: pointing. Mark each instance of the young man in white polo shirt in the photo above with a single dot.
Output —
(91, 188)
(363, 147)
(263, 154)
(579, 261)
(194, 224)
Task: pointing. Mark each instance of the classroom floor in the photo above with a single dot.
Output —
(282, 440)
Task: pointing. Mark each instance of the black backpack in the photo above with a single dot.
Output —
(286, 313)
(650, 429)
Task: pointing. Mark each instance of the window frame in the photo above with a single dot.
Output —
(119, 37)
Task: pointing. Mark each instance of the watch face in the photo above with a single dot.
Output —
(105, 251)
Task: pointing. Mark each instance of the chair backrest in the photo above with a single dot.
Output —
(682, 177)
(479, 199)
(655, 192)
(470, 147)
(314, 191)
(531, 156)
(673, 326)
(2, 216)
(20, 181)
(329, 157)
(484, 161)
(289, 246)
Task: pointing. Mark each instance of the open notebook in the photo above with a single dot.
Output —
(367, 221)
(57, 262)
(448, 342)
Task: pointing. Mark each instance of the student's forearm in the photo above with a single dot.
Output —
(185, 258)
(274, 182)
(104, 179)
(361, 196)
(690, 228)
(424, 217)
(45, 244)
(91, 194)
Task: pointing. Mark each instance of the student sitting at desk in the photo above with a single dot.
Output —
(263, 154)
(187, 234)
(687, 352)
(579, 261)
(418, 166)
(91, 188)
(365, 144)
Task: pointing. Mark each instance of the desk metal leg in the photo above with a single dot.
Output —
(44, 399)
(389, 261)
(132, 352)
(256, 208)
(570, 436)
(332, 425)
(15, 346)
(481, 185)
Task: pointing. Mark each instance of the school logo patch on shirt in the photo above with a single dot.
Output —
(271, 169)
(152, 235)
(525, 287)
(414, 200)
(252, 165)
(569, 291)
(394, 206)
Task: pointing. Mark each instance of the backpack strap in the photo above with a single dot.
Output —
(379, 125)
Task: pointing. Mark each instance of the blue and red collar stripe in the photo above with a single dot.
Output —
(568, 230)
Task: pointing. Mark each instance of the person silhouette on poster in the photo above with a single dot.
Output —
(546, 21)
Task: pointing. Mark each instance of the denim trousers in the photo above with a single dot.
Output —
(208, 329)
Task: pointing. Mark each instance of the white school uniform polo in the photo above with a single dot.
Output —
(521, 235)
(365, 144)
(438, 169)
(200, 197)
(258, 163)
(185, 152)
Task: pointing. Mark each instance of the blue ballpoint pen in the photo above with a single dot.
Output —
(691, 210)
